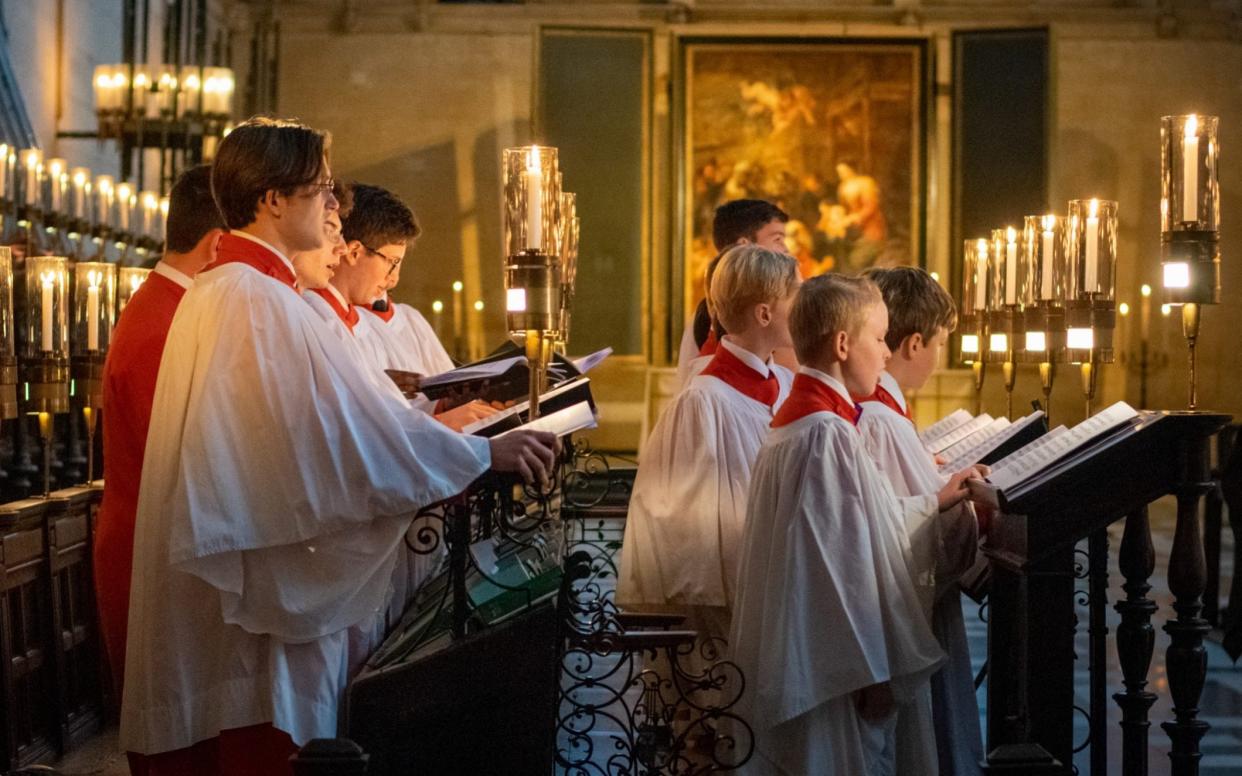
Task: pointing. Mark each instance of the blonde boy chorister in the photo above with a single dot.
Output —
(689, 499)
(921, 315)
(828, 628)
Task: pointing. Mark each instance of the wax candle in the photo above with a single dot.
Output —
(1145, 311)
(93, 279)
(532, 178)
(1190, 171)
(124, 201)
(458, 312)
(1048, 255)
(1011, 266)
(437, 312)
(49, 280)
(150, 206)
(4, 170)
(32, 160)
(81, 184)
(981, 275)
(1091, 282)
(103, 200)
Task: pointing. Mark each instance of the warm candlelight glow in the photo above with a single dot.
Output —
(1177, 275)
(478, 305)
(999, 343)
(970, 343)
(1123, 309)
(1080, 339)
(1145, 290)
(457, 286)
(1036, 341)
(437, 306)
(1165, 309)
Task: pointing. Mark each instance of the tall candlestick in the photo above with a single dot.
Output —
(1047, 258)
(981, 275)
(103, 201)
(1190, 171)
(1145, 311)
(32, 160)
(533, 180)
(56, 172)
(150, 206)
(458, 312)
(124, 201)
(81, 184)
(1091, 282)
(94, 278)
(48, 279)
(1011, 266)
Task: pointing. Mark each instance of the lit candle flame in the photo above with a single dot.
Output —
(1093, 209)
(478, 305)
(1145, 290)
(94, 278)
(1050, 221)
(982, 246)
(134, 282)
(1011, 235)
(48, 277)
(437, 306)
(1192, 126)
(532, 159)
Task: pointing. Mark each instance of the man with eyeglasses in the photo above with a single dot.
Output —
(276, 487)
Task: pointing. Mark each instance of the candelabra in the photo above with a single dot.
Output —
(94, 292)
(1005, 323)
(972, 322)
(1090, 312)
(1042, 279)
(44, 368)
(569, 231)
(1190, 222)
(533, 270)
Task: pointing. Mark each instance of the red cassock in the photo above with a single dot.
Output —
(129, 388)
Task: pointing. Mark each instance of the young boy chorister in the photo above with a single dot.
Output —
(920, 316)
(689, 499)
(828, 628)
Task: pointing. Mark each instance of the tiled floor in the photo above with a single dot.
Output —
(1221, 703)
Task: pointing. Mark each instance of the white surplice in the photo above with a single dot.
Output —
(687, 351)
(275, 492)
(825, 604)
(942, 550)
(689, 499)
(406, 342)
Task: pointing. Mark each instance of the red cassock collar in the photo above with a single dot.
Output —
(710, 344)
(742, 377)
(348, 317)
(810, 395)
(888, 400)
(384, 316)
(238, 250)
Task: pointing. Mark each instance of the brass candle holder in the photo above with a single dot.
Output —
(1043, 297)
(1090, 307)
(1005, 322)
(93, 317)
(44, 366)
(972, 320)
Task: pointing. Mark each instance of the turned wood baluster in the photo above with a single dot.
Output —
(1186, 659)
(1097, 631)
(1135, 641)
(1231, 490)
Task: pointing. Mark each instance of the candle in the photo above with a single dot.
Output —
(124, 201)
(103, 203)
(49, 280)
(191, 89)
(532, 179)
(150, 206)
(437, 312)
(981, 275)
(458, 312)
(1048, 254)
(56, 171)
(1091, 282)
(81, 184)
(1145, 311)
(1011, 266)
(93, 279)
(4, 170)
(162, 231)
(1190, 170)
(32, 160)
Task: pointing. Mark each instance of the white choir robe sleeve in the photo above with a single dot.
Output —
(686, 352)
(943, 544)
(689, 500)
(825, 602)
(286, 479)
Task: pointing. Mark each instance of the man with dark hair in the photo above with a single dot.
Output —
(739, 221)
(194, 228)
(276, 489)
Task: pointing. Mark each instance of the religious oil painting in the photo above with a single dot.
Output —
(831, 132)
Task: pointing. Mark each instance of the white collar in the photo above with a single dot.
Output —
(827, 380)
(339, 296)
(746, 357)
(268, 245)
(173, 274)
(889, 383)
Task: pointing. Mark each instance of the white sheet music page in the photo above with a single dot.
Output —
(946, 441)
(944, 426)
(1037, 458)
(972, 455)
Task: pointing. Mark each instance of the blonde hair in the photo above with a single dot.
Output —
(826, 305)
(748, 275)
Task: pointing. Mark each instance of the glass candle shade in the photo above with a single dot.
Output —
(1043, 244)
(1190, 192)
(568, 250)
(974, 300)
(190, 91)
(7, 338)
(126, 199)
(532, 199)
(164, 79)
(46, 330)
(32, 176)
(150, 207)
(1007, 273)
(109, 95)
(129, 281)
(1091, 254)
(217, 88)
(143, 92)
(80, 193)
(104, 195)
(58, 181)
(94, 292)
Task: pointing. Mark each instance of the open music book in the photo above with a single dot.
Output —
(1057, 445)
(567, 394)
(503, 375)
(960, 432)
(943, 426)
(995, 441)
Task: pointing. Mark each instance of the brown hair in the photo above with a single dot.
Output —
(917, 304)
(379, 217)
(192, 212)
(742, 219)
(746, 276)
(828, 304)
(260, 155)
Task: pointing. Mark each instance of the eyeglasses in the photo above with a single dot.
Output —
(392, 263)
(321, 187)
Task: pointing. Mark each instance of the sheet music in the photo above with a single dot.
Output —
(971, 456)
(944, 426)
(1034, 458)
(977, 438)
(474, 372)
(587, 363)
(946, 441)
(521, 407)
(562, 422)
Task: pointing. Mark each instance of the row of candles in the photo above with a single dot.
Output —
(163, 91)
(57, 191)
(1045, 292)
